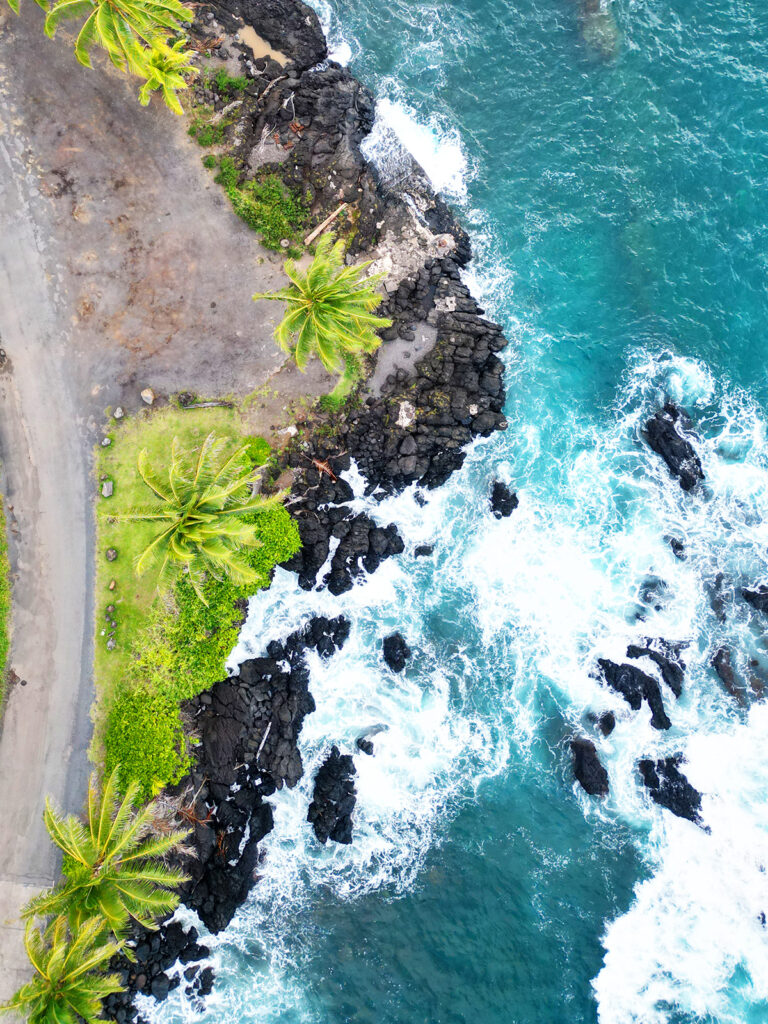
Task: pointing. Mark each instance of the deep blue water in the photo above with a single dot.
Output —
(612, 173)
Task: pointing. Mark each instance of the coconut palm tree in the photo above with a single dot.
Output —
(68, 984)
(135, 35)
(330, 312)
(112, 867)
(204, 511)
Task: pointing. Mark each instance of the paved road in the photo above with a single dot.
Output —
(121, 266)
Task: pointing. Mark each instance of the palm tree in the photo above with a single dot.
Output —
(330, 312)
(112, 869)
(68, 985)
(135, 35)
(201, 509)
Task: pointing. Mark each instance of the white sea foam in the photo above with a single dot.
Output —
(437, 148)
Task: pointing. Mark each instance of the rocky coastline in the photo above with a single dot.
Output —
(412, 427)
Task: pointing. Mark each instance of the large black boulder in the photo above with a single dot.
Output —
(288, 25)
(333, 800)
(664, 434)
(670, 788)
(503, 501)
(635, 687)
(587, 767)
(396, 651)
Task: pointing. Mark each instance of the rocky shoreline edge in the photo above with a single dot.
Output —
(308, 119)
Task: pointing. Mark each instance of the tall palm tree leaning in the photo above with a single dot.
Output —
(68, 985)
(204, 503)
(112, 868)
(135, 35)
(330, 313)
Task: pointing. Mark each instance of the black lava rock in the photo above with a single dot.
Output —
(635, 686)
(667, 657)
(606, 723)
(587, 768)
(721, 663)
(664, 433)
(333, 800)
(757, 597)
(503, 501)
(396, 652)
(670, 788)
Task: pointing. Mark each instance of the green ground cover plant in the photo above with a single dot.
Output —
(161, 650)
(267, 206)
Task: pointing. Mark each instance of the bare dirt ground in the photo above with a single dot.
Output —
(121, 267)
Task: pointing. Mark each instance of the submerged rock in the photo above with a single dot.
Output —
(664, 434)
(587, 768)
(721, 663)
(503, 501)
(670, 788)
(396, 651)
(333, 799)
(635, 687)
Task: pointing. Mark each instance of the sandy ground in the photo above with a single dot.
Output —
(121, 266)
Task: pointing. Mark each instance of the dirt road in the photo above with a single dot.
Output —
(121, 267)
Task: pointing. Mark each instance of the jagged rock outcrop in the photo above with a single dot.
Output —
(665, 433)
(635, 687)
(670, 788)
(333, 799)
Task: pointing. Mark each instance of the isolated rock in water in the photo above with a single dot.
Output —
(503, 501)
(721, 663)
(678, 548)
(396, 652)
(587, 767)
(364, 746)
(720, 596)
(667, 657)
(635, 686)
(333, 800)
(664, 434)
(423, 550)
(670, 788)
(606, 723)
(757, 597)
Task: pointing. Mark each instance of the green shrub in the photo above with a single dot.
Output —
(209, 161)
(257, 450)
(266, 205)
(182, 651)
(228, 175)
(144, 736)
(227, 84)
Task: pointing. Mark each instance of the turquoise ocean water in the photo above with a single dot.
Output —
(612, 171)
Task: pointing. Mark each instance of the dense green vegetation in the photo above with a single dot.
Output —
(330, 314)
(5, 602)
(142, 37)
(69, 981)
(113, 868)
(203, 515)
(162, 650)
(267, 205)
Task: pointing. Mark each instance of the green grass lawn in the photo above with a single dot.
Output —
(151, 651)
(5, 604)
